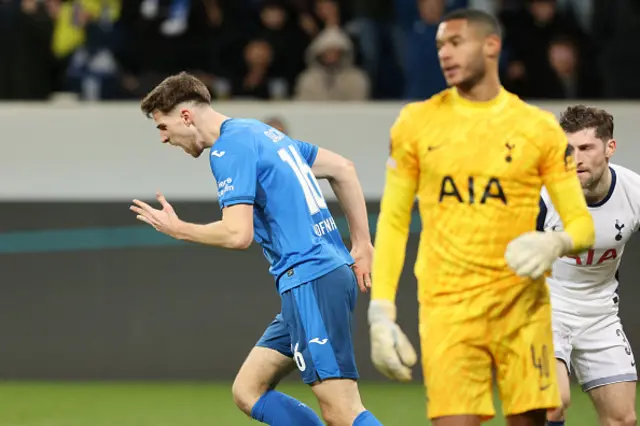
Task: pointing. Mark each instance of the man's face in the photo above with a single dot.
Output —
(460, 49)
(331, 57)
(431, 10)
(177, 129)
(563, 60)
(543, 10)
(273, 17)
(258, 54)
(591, 155)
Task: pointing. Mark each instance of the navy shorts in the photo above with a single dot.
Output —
(315, 327)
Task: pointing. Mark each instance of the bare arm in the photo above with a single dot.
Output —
(343, 179)
(234, 231)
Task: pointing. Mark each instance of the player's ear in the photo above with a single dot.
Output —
(492, 46)
(610, 148)
(186, 116)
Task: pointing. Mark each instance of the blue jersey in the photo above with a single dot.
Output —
(256, 164)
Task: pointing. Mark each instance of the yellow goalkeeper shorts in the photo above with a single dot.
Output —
(513, 340)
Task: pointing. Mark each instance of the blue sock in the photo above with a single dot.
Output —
(277, 409)
(552, 423)
(366, 419)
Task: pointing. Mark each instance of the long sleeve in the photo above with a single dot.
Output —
(392, 230)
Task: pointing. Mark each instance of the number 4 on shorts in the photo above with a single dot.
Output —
(540, 360)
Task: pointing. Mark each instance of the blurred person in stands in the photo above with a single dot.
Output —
(223, 31)
(424, 76)
(27, 64)
(83, 43)
(616, 27)
(306, 19)
(381, 44)
(331, 74)
(159, 37)
(329, 13)
(528, 33)
(569, 78)
(256, 80)
(287, 39)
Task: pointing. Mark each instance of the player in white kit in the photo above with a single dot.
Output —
(588, 337)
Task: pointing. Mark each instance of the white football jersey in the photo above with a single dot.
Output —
(588, 283)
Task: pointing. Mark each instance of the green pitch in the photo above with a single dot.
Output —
(188, 404)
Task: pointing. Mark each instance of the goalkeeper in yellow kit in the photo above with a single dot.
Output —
(476, 157)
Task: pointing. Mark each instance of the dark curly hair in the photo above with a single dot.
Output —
(582, 117)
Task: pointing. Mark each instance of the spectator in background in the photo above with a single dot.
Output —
(85, 33)
(160, 37)
(223, 33)
(302, 11)
(177, 19)
(288, 41)
(277, 123)
(529, 32)
(256, 81)
(423, 74)
(329, 14)
(331, 74)
(616, 27)
(571, 79)
(566, 78)
(27, 64)
(407, 13)
(379, 36)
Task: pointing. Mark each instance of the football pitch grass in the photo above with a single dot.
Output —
(199, 404)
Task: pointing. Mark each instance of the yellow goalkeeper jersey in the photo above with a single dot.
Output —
(477, 169)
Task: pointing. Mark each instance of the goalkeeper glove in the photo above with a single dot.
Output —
(533, 253)
(391, 352)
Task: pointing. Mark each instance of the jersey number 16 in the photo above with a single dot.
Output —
(308, 182)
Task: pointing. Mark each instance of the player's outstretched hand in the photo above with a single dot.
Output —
(391, 351)
(363, 256)
(165, 220)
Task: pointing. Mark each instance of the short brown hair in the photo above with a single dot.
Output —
(174, 90)
(582, 117)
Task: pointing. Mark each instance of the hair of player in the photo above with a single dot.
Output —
(488, 22)
(581, 117)
(174, 90)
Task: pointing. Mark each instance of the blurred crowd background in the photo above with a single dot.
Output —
(338, 50)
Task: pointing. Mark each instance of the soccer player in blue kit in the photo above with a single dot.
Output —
(267, 190)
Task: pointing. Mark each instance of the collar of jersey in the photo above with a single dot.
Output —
(491, 105)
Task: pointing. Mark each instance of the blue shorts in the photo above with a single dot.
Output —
(315, 327)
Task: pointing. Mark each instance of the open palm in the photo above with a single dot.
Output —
(165, 220)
